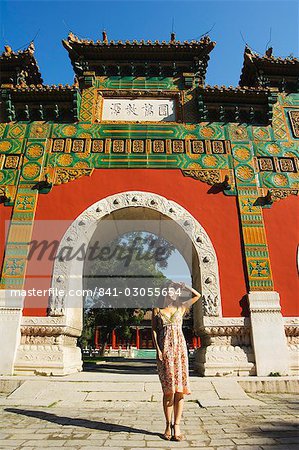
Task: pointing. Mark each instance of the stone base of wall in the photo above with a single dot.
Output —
(226, 347)
(291, 327)
(218, 362)
(270, 385)
(48, 347)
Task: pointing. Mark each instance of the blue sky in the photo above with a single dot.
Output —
(50, 21)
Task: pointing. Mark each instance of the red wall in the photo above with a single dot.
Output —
(282, 228)
(217, 213)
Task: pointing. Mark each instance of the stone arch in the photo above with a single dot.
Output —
(68, 274)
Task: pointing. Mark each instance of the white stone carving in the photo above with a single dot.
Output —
(226, 347)
(268, 335)
(48, 346)
(291, 326)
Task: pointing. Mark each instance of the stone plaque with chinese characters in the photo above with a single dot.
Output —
(138, 110)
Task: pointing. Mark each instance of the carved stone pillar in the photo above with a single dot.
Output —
(291, 326)
(267, 332)
(48, 346)
(10, 320)
(226, 347)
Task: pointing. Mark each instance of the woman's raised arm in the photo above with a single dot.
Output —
(187, 303)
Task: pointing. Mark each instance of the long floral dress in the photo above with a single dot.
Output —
(173, 369)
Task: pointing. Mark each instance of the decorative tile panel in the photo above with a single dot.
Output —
(294, 118)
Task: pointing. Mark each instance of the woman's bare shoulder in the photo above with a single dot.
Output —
(182, 309)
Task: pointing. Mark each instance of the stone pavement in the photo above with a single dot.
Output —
(91, 389)
(136, 425)
(85, 390)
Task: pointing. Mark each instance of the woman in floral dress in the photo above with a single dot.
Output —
(172, 354)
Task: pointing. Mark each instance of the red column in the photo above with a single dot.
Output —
(137, 338)
(97, 338)
(194, 341)
(113, 339)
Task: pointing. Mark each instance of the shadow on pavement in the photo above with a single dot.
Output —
(285, 433)
(75, 422)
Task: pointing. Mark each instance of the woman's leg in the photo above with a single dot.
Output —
(178, 409)
(168, 409)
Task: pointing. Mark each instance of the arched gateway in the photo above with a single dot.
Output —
(49, 344)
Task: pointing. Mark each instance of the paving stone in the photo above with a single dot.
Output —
(226, 448)
(11, 443)
(75, 442)
(195, 437)
(254, 441)
(248, 447)
(134, 443)
(41, 443)
(4, 436)
(117, 396)
(229, 389)
(97, 447)
(280, 447)
(222, 442)
(282, 433)
(201, 448)
(34, 448)
(88, 447)
(238, 435)
(288, 440)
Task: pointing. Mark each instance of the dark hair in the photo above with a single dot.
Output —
(166, 285)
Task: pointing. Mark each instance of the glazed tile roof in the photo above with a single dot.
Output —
(254, 64)
(73, 41)
(135, 50)
(19, 65)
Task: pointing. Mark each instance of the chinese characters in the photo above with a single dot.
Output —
(138, 109)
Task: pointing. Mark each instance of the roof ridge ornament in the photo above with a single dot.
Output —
(269, 52)
(31, 47)
(7, 50)
(72, 37)
(105, 37)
